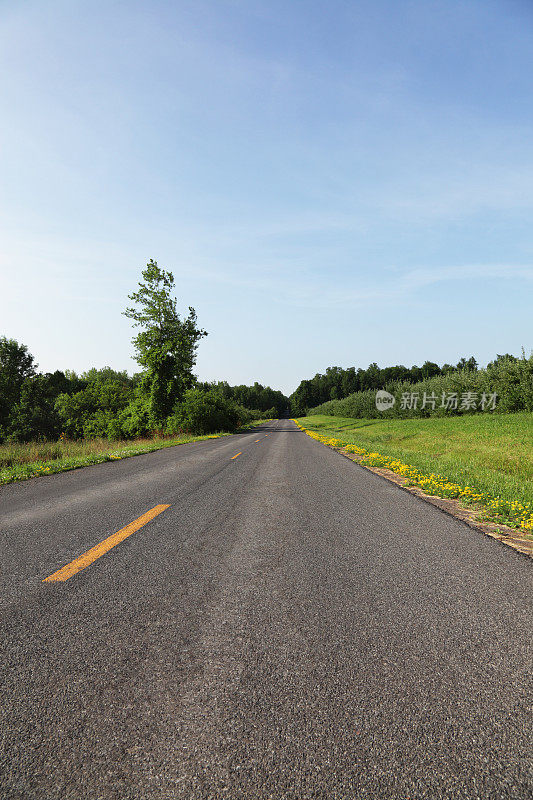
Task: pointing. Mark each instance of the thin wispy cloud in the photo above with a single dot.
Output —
(394, 288)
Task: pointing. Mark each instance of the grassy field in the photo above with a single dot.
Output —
(491, 452)
(21, 461)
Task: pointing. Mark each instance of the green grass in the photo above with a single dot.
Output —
(491, 452)
(19, 462)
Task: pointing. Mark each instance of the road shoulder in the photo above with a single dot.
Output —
(470, 516)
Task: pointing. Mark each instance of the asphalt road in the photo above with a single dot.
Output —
(291, 626)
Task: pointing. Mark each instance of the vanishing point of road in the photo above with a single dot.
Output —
(278, 622)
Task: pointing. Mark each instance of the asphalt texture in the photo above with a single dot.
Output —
(292, 626)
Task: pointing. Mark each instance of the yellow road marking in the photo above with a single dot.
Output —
(257, 440)
(238, 454)
(91, 555)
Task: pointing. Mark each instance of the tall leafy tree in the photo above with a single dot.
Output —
(166, 345)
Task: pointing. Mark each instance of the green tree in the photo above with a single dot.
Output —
(34, 416)
(166, 346)
(16, 364)
(467, 363)
(430, 369)
(95, 409)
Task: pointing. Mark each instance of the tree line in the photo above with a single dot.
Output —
(165, 397)
(337, 383)
(504, 385)
(263, 398)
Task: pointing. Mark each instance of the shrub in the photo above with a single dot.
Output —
(135, 420)
(203, 412)
(95, 410)
(34, 416)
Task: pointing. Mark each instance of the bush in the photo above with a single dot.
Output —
(95, 411)
(99, 424)
(203, 412)
(135, 420)
(34, 416)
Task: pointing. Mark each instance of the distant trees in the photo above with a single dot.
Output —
(166, 346)
(164, 397)
(509, 377)
(110, 404)
(256, 397)
(504, 385)
(338, 383)
(469, 364)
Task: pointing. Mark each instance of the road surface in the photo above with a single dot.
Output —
(288, 625)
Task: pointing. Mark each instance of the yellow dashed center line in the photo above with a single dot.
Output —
(238, 454)
(91, 555)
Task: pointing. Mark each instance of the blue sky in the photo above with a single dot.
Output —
(331, 183)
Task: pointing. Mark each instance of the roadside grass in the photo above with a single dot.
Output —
(491, 454)
(19, 462)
